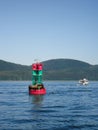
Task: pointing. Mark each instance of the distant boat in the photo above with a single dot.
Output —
(83, 81)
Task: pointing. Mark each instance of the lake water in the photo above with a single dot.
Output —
(66, 106)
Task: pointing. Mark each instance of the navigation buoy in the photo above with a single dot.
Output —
(37, 86)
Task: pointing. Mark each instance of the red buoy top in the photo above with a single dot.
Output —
(37, 66)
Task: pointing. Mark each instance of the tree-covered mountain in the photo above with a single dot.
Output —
(69, 69)
(55, 69)
(12, 71)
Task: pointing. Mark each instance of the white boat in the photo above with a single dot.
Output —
(83, 81)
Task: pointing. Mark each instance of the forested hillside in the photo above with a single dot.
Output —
(12, 71)
(69, 69)
(55, 69)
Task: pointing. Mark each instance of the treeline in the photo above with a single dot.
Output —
(56, 69)
(15, 75)
(69, 69)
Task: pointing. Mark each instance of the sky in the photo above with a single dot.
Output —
(48, 29)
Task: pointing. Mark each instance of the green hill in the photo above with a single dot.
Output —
(55, 69)
(12, 71)
(69, 69)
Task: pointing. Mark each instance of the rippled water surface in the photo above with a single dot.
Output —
(66, 106)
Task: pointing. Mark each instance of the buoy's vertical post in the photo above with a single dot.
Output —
(37, 73)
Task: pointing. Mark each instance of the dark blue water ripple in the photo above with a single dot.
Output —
(66, 106)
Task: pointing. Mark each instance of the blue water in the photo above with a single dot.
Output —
(66, 106)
